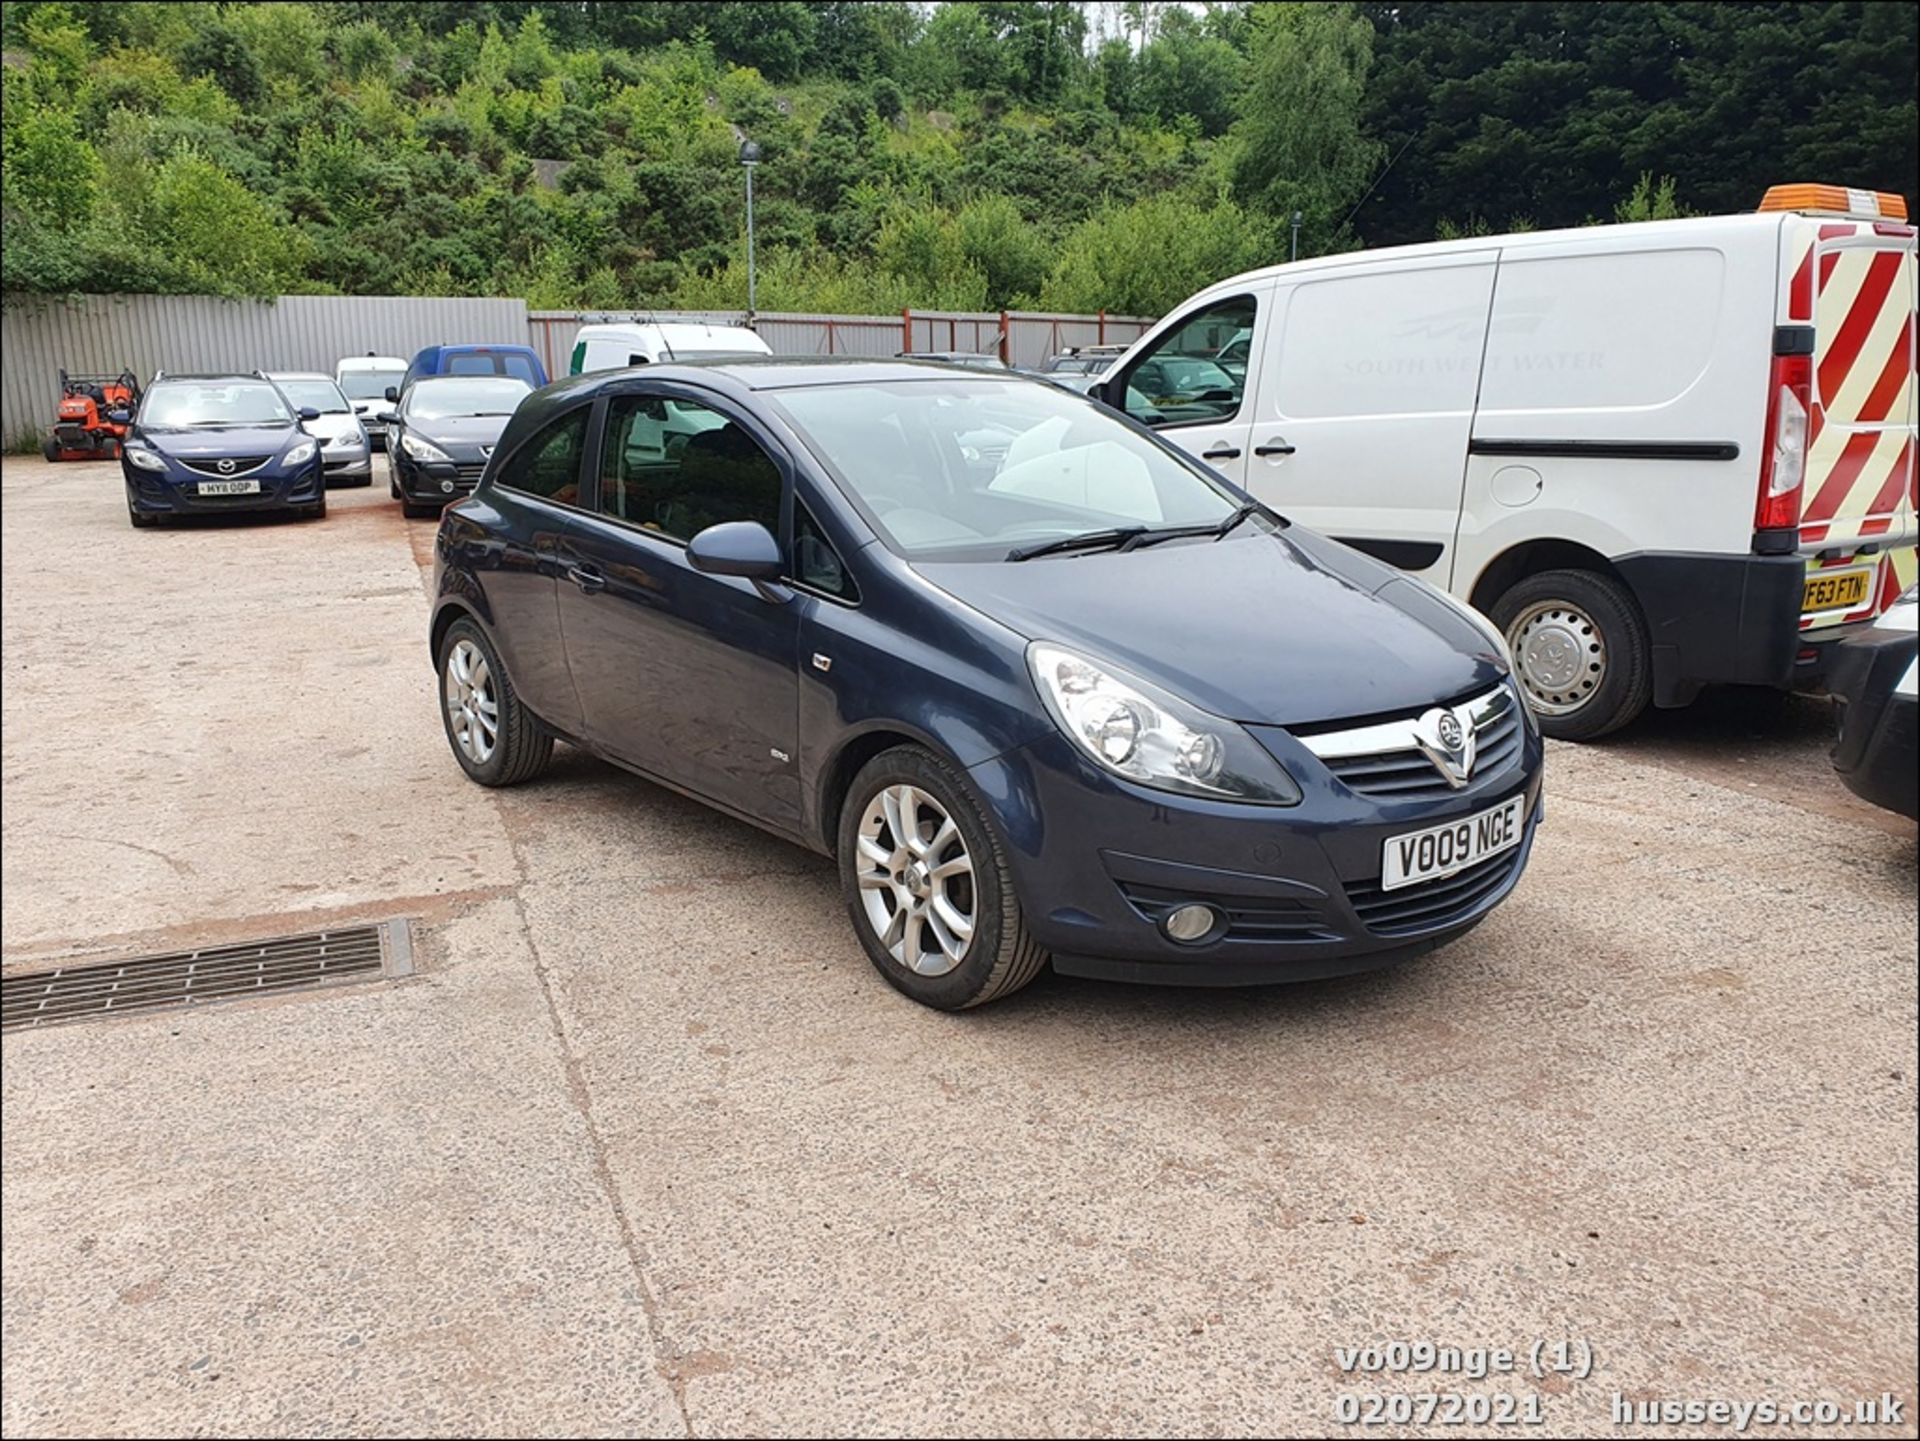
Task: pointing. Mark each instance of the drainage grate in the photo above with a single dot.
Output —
(215, 973)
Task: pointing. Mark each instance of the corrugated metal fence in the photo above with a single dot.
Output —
(104, 334)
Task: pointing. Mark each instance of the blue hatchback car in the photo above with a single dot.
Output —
(1046, 688)
(215, 444)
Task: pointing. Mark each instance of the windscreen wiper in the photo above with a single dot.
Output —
(1119, 537)
(1215, 531)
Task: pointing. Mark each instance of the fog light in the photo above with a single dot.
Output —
(447, 486)
(1188, 923)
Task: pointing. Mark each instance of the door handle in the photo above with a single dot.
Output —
(1275, 446)
(1221, 452)
(588, 577)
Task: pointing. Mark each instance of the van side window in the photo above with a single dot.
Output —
(520, 368)
(675, 468)
(1196, 372)
(816, 564)
(548, 465)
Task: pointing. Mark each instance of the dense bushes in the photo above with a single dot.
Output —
(969, 155)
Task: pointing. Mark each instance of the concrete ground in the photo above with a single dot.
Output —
(645, 1146)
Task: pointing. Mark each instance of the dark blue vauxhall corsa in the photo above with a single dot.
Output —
(212, 444)
(1046, 687)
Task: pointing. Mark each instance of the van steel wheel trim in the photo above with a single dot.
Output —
(916, 880)
(470, 702)
(1560, 655)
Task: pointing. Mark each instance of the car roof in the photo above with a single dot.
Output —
(371, 362)
(221, 375)
(299, 375)
(467, 379)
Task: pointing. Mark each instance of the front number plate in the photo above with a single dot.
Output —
(229, 487)
(1836, 590)
(1441, 850)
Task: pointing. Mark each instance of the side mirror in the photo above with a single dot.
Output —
(120, 417)
(744, 548)
(308, 412)
(393, 393)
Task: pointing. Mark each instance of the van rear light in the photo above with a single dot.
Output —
(1783, 462)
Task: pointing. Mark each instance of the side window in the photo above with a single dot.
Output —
(548, 465)
(1197, 371)
(675, 467)
(816, 564)
(638, 360)
(520, 368)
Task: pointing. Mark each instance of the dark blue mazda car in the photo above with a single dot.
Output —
(213, 444)
(1045, 687)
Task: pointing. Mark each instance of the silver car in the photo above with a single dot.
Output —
(345, 454)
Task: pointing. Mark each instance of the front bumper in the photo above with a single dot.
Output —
(1096, 860)
(1879, 734)
(176, 491)
(435, 482)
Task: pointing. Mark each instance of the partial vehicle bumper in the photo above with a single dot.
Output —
(153, 494)
(354, 467)
(1098, 863)
(1879, 735)
(436, 482)
(1717, 619)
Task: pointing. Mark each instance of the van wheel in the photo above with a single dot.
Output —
(927, 885)
(1580, 650)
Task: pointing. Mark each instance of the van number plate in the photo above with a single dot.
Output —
(1442, 850)
(1836, 590)
(229, 487)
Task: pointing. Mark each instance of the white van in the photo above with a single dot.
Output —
(609, 347)
(364, 380)
(1659, 455)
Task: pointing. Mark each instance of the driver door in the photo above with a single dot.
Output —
(1193, 379)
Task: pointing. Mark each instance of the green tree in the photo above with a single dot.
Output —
(220, 53)
(1145, 258)
(1298, 145)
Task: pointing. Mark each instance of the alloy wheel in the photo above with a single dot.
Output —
(471, 706)
(916, 880)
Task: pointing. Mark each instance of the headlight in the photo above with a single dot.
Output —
(144, 459)
(419, 449)
(299, 455)
(1138, 731)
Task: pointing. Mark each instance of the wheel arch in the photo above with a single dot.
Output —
(1530, 557)
(836, 776)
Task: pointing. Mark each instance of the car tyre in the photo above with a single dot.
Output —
(139, 521)
(1580, 651)
(473, 689)
(318, 510)
(413, 511)
(897, 910)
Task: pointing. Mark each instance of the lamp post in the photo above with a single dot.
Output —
(749, 157)
(1297, 218)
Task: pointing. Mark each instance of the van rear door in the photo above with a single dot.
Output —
(1857, 522)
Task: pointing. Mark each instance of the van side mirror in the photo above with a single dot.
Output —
(743, 548)
(393, 393)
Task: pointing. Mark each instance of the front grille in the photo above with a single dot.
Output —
(1430, 904)
(1407, 775)
(1249, 918)
(1391, 760)
(214, 973)
(468, 473)
(240, 465)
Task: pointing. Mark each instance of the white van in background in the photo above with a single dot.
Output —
(609, 347)
(1659, 455)
(364, 380)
